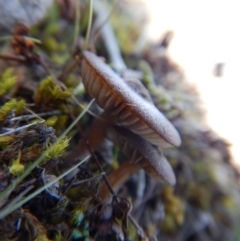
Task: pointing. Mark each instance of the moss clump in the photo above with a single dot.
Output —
(7, 81)
(56, 150)
(50, 95)
(14, 106)
(174, 209)
(16, 167)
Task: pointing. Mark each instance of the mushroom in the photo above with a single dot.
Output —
(121, 106)
(131, 110)
(140, 154)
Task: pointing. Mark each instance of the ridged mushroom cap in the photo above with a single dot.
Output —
(132, 111)
(149, 157)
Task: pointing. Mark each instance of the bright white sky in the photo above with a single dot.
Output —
(206, 33)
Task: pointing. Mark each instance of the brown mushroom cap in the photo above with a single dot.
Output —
(149, 157)
(132, 111)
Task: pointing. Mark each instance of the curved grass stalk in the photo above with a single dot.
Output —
(37, 41)
(76, 24)
(12, 208)
(11, 187)
(88, 111)
(19, 197)
(74, 63)
(89, 24)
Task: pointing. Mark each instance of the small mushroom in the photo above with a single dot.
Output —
(140, 154)
(123, 106)
(130, 109)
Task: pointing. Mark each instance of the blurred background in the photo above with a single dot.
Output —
(206, 45)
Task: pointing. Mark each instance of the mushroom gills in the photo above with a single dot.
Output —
(85, 72)
(118, 109)
(130, 120)
(91, 82)
(102, 96)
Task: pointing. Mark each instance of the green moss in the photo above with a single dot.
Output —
(51, 121)
(13, 105)
(16, 167)
(58, 149)
(174, 209)
(50, 95)
(7, 81)
(5, 140)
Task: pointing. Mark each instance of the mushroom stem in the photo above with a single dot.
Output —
(94, 137)
(117, 178)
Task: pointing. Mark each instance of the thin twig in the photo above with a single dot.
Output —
(45, 66)
(69, 68)
(66, 187)
(13, 57)
(90, 149)
(21, 128)
(76, 184)
(135, 224)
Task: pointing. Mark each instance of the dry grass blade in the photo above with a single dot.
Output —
(21, 128)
